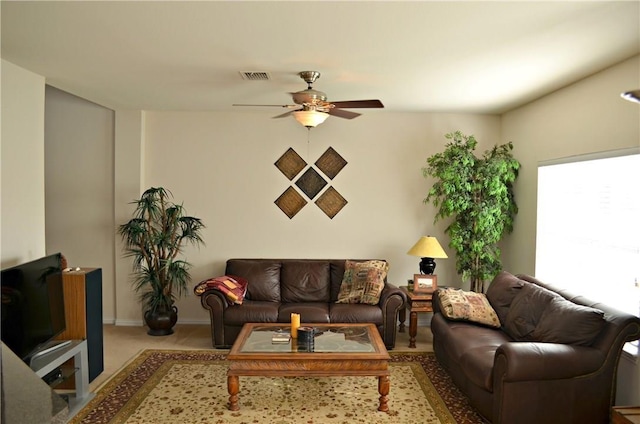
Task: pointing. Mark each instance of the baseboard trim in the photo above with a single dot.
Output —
(138, 323)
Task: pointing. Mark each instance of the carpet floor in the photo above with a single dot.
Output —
(173, 386)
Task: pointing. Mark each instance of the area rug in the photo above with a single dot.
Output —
(173, 386)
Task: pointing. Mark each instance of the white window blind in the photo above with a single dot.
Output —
(588, 228)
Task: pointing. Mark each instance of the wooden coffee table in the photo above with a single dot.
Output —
(339, 350)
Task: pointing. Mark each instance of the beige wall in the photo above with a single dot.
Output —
(22, 191)
(221, 165)
(586, 117)
(79, 184)
(129, 163)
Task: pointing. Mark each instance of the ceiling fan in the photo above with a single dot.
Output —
(311, 107)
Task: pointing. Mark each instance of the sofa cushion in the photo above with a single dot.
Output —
(502, 290)
(304, 281)
(344, 312)
(363, 282)
(460, 305)
(477, 363)
(459, 337)
(309, 312)
(526, 310)
(565, 322)
(251, 311)
(263, 277)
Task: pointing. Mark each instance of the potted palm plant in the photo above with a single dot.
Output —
(477, 193)
(154, 238)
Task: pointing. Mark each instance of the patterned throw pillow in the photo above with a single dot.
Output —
(363, 282)
(459, 305)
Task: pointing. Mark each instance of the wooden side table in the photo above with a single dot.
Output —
(625, 415)
(416, 302)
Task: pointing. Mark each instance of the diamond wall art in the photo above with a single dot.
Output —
(290, 202)
(331, 202)
(331, 163)
(310, 182)
(290, 164)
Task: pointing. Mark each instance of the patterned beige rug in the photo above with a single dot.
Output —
(171, 386)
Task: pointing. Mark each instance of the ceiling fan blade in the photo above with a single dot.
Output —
(347, 114)
(359, 104)
(284, 115)
(287, 106)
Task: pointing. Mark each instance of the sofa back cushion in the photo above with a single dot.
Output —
(539, 314)
(502, 290)
(337, 273)
(565, 322)
(305, 280)
(526, 310)
(262, 275)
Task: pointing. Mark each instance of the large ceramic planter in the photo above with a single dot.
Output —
(161, 322)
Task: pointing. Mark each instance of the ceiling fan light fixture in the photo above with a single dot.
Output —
(310, 118)
(632, 96)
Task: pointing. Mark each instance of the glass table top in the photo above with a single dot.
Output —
(326, 339)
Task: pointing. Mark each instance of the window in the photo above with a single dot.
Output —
(588, 227)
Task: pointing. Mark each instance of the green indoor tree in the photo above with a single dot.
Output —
(477, 193)
(154, 238)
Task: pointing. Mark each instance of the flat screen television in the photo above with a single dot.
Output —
(32, 306)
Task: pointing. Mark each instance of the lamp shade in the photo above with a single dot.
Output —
(427, 247)
(310, 118)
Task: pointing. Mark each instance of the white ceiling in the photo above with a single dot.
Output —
(476, 56)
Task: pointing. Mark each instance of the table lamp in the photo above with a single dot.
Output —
(427, 248)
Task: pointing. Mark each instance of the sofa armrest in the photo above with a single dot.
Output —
(216, 303)
(548, 382)
(391, 290)
(392, 299)
(524, 361)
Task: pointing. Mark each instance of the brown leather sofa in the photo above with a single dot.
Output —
(511, 376)
(278, 287)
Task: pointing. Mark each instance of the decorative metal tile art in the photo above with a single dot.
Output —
(330, 163)
(311, 183)
(331, 202)
(290, 164)
(290, 202)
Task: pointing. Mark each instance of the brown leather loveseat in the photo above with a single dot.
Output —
(279, 287)
(552, 360)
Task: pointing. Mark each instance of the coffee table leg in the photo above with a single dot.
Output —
(413, 328)
(233, 386)
(383, 388)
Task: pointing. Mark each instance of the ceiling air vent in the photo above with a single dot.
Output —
(255, 76)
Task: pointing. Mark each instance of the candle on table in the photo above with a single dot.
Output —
(295, 323)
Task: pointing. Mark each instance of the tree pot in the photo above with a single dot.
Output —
(161, 322)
